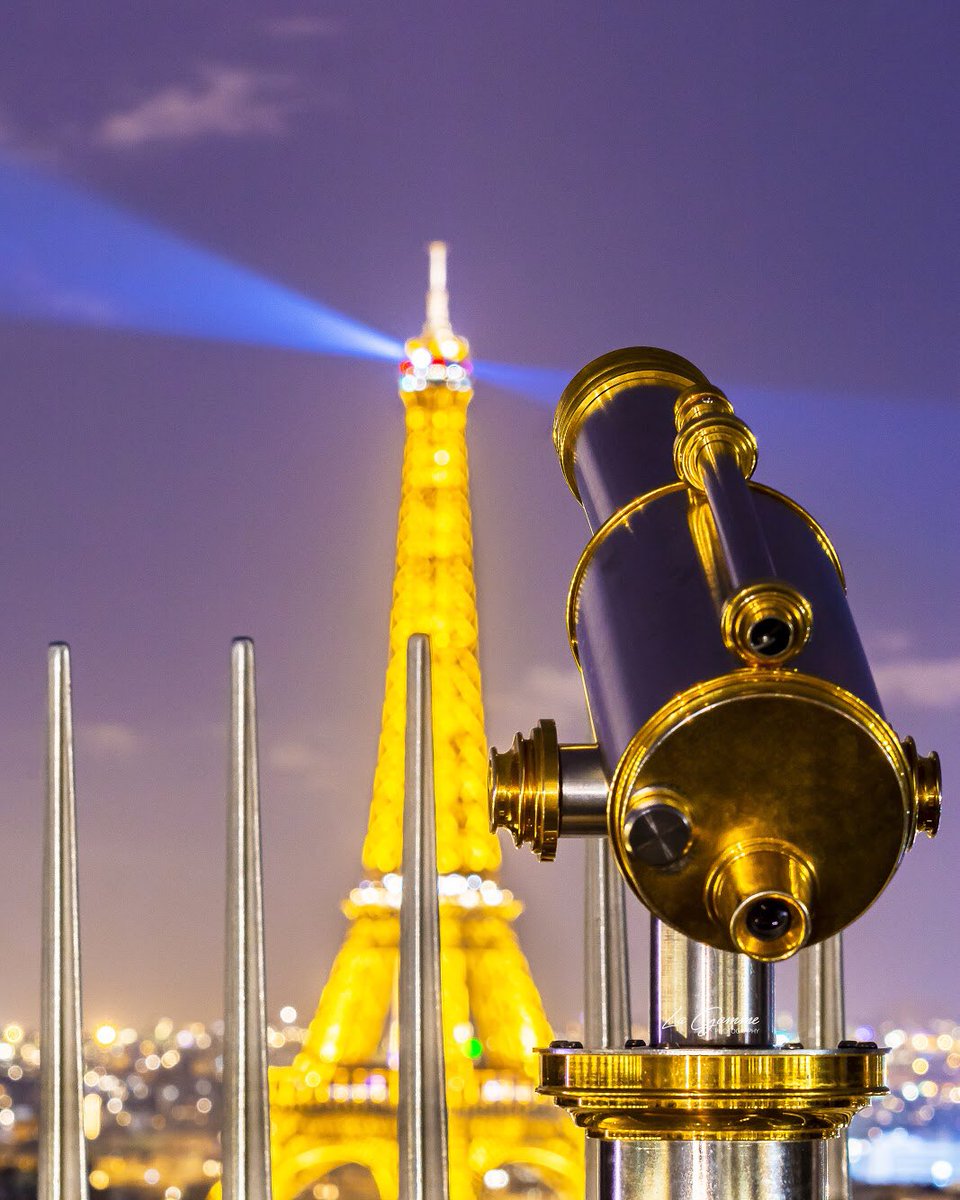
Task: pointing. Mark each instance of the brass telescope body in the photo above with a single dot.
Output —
(755, 796)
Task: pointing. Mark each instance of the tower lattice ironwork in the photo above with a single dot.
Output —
(334, 1108)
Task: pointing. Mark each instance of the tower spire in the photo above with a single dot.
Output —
(437, 324)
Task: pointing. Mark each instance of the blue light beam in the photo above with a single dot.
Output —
(541, 384)
(67, 256)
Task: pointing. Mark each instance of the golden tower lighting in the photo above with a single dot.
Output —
(334, 1109)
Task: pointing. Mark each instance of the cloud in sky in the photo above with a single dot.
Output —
(224, 101)
(302, 759)
(304, 26)
(109, 739)
(544, 691)
(927, 682)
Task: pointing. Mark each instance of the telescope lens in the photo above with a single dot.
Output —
(768, 919)
(770, 636)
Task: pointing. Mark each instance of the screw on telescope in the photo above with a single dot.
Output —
(768, 919)
(657, 832)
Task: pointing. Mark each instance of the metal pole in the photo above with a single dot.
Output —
(62, 1155)
(422, 1110)
(701, 997)
(821, 1026)
(606, 1010)
(246, 1114)
(606, 1006)
(712, 1170)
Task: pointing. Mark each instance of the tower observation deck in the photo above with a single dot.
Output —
(334, 1109)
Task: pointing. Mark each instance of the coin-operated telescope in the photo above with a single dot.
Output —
(754, 797)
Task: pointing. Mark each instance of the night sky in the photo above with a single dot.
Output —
(768, 189)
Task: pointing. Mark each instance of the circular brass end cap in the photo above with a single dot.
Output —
(927, 784)
(656, 827)
(766, 623)
(601, 380)
(523, 788)
(767, 759)
(762, 894)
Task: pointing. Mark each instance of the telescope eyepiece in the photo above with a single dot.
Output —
(768, 919)
(770, 636)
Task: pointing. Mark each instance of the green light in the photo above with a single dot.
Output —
(473, 1048)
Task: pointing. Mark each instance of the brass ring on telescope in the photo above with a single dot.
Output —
(635, 506)
(721, 432)
(927, 785)
(696, 1093)
(765, 599)
(762, 869)
(523, 790)
(602, 379)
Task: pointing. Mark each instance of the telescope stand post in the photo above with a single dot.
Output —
(606, 1005)
(820, 1025)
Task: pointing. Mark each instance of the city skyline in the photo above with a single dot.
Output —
(160, 495)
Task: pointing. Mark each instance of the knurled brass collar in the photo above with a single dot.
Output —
(743, 618)
(926, 779)
(523, 790)
(707, 424)
(600, 382)
(708, 1094)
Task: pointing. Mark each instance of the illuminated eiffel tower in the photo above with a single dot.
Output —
(334, 1109)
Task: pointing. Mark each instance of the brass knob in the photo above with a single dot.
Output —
(523, 786)
(926, 780)
(657, 829)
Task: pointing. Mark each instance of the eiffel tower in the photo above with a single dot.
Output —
(334, 1108)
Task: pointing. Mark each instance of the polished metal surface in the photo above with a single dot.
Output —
(422, 1110)
(711, 1170)
(583, 792)
(821, 1023)
(606, 1000)
(657, 830)
(246, 1118)
(700, 996)
(62, 1156)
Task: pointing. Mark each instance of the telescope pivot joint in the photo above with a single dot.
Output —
(541, 790)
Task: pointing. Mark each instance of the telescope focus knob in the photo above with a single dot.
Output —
(925, 775)
(523, 786)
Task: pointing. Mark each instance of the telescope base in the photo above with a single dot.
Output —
(645, 1170)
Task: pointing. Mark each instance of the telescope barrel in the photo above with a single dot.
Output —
(756, 798)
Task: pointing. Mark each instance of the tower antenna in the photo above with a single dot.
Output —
(437, 323)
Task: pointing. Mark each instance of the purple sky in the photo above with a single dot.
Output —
(770, 190)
